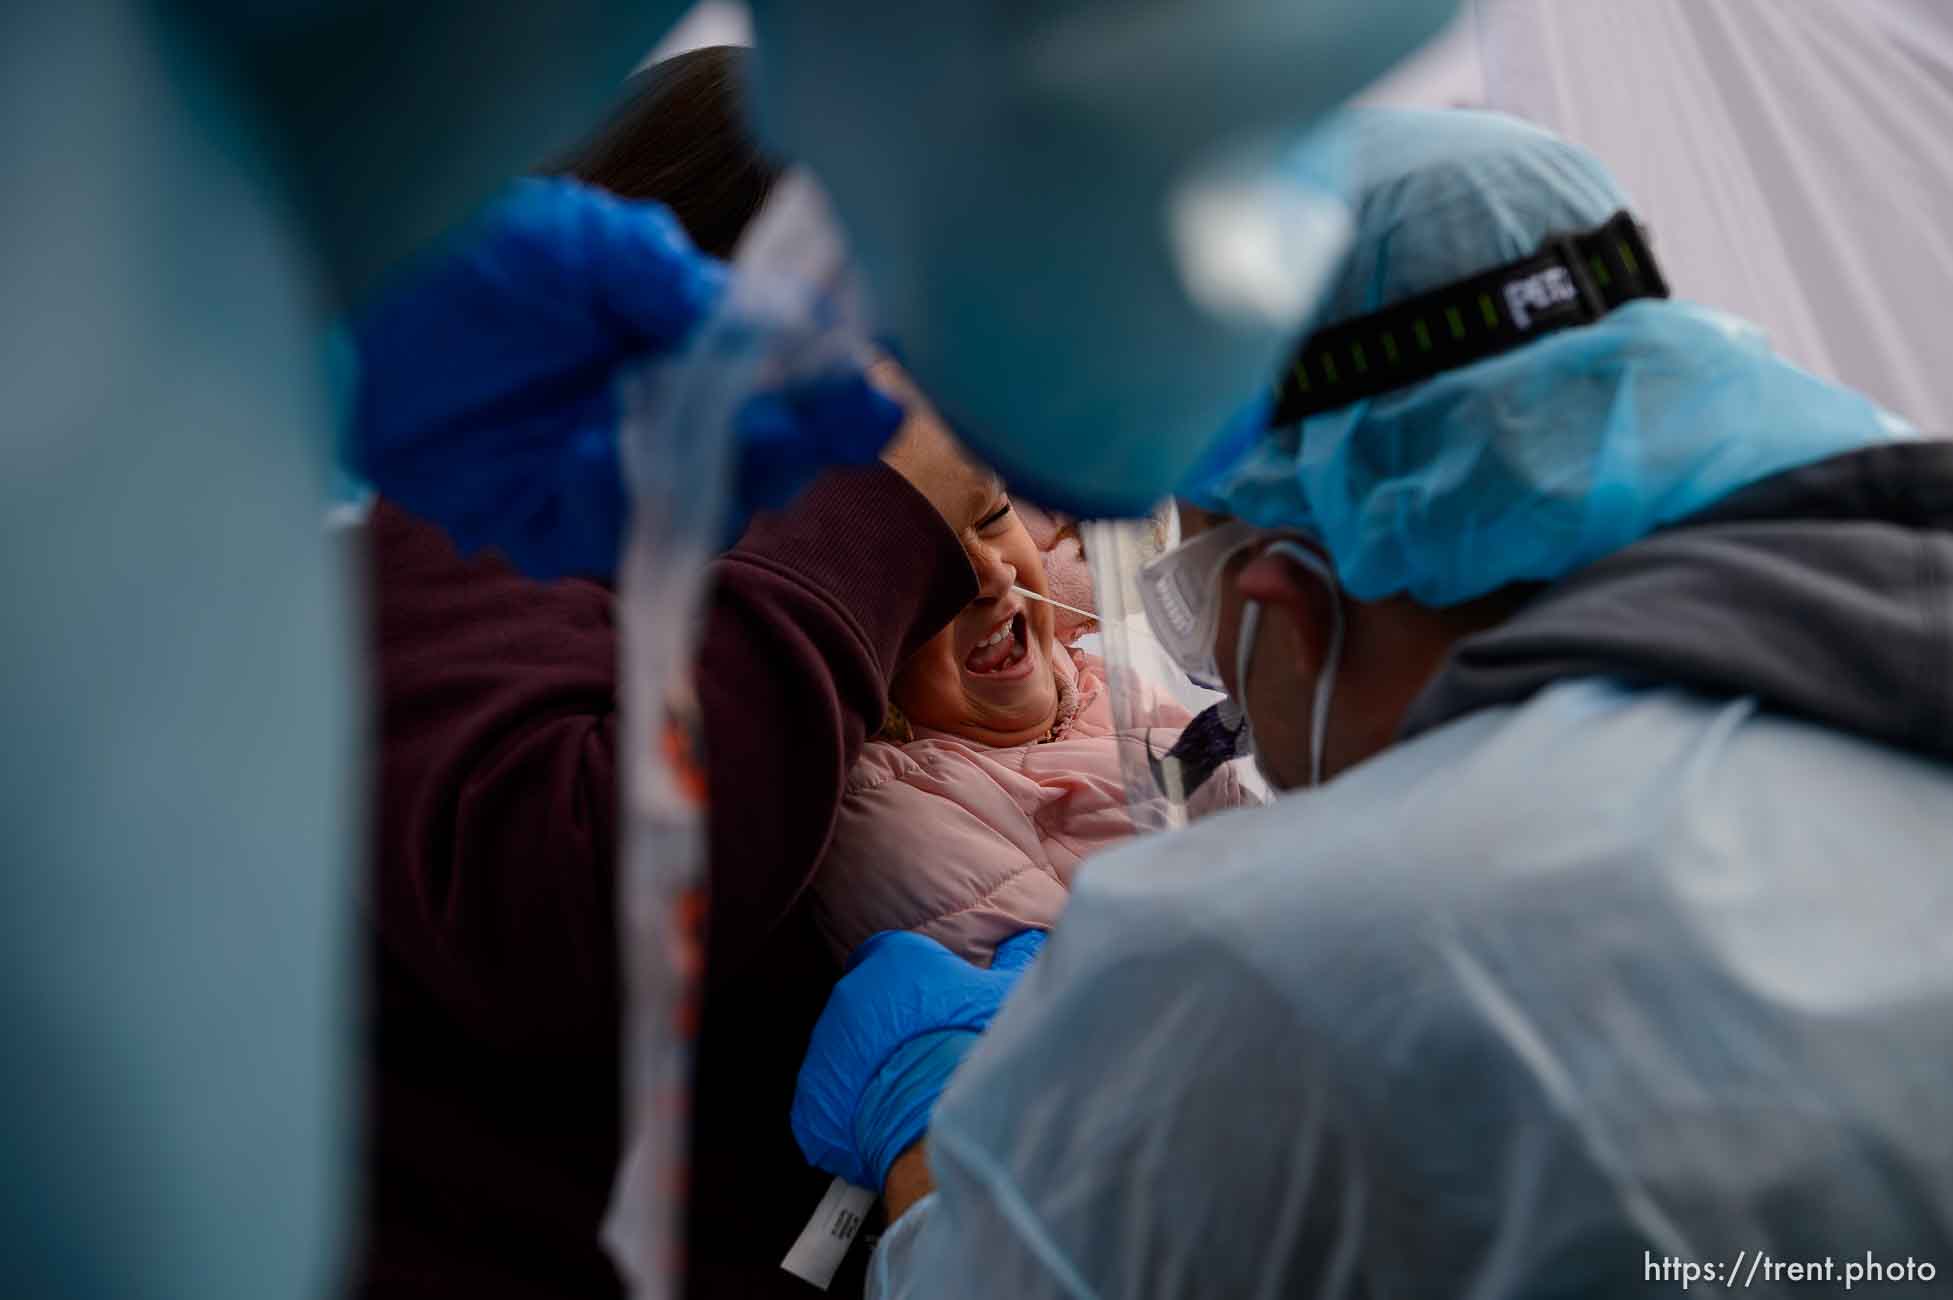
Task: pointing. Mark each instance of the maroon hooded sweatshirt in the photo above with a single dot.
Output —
(491, 1033)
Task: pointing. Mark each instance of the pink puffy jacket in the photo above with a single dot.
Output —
(970, 844)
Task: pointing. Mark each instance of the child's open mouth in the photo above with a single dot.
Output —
(1004, 652)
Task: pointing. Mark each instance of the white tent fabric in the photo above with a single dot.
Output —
(1794, 160)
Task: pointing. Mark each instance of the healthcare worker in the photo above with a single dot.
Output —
(195, 188)
(1600, 941)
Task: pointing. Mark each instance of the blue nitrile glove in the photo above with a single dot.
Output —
(895, 1028)
(487, 397)
(788, 436)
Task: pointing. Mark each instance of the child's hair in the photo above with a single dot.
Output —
(680, 137)
(895, 726)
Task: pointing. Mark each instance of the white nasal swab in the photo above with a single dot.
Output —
(1072, 609)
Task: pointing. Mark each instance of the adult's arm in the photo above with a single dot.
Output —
(498, 775)
(1123, 1183)
(1150, 1104)
(909, 1180)
(810, 616)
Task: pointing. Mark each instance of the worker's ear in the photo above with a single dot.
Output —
(1281, 584)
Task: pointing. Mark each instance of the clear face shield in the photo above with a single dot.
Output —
(1166, 597)
(1186, 747)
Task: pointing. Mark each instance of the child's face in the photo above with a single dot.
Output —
(989, 675)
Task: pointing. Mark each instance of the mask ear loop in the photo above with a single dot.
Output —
(1210, 551)
(1326, 679)
(1244, 647)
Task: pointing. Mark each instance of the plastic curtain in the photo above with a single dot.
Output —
(793, 313)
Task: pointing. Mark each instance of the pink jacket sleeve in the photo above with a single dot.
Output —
(936, 846)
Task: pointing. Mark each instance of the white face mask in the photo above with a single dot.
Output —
(1181, 593)
(1325, 680)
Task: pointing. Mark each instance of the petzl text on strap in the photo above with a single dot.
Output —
(1572, 280)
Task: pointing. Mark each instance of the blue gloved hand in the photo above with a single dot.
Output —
(788, 436)
(895, 1028)
(487, 397)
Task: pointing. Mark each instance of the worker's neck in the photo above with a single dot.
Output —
(1393, 649)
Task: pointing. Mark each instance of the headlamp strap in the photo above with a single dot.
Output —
(1573, 280)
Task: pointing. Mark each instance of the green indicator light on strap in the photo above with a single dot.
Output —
(1571, 280)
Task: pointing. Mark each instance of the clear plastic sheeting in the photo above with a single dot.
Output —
(1135, 670)
(179, 790)
(1558, 994)
(1151, 698)
(792, 313)
(1080, 215)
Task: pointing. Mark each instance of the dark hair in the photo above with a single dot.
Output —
(681, 137)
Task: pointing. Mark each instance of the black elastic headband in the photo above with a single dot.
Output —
(1573, 280)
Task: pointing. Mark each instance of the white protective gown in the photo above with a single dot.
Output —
(1529, 1005)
